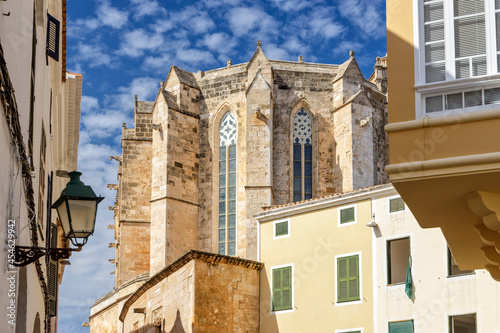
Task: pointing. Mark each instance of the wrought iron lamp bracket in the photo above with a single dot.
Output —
(25, 255)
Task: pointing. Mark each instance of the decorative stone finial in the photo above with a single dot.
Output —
(229, 63)
(301, 59)
(351, 53)
(259, 43)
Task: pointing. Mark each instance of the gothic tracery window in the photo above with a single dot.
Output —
(227, 185)
(302, 156)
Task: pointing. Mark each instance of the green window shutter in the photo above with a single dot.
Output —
(396, 204)
(342, 280)
(52, 273)
(348, 279)
(281, 228)
(401, 327)
(282, 288)
(347, 215)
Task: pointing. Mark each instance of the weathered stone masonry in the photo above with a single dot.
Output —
(168, 192)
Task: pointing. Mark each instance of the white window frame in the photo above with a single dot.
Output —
(360, 262)
(339, 209)
(389, 204)
(271, 310)
(274, 228)
(452, 85)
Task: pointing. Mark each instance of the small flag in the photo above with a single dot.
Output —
(409, 281)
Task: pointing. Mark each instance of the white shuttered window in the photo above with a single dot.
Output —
(461, 39)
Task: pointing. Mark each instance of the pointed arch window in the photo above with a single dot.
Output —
(227, 185)
(302, 156)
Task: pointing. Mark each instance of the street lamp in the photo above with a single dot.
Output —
(77, 208)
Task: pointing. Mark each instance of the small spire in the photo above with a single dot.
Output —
(229, 63)
(351, 53)
(301, 59)
(259, 43)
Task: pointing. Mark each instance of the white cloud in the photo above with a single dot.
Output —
(272, 51)
(345, 46)
(219, 42)
(219, 3)
(146, 8)
(244, 21)
(193, 19)
(88, 104)
(145, 88)
(135, 42)
(294, 45)
(293, 5)
(366, 15)
(111, 16)
(93, 54)
(321, 24)
(160, 62)
(104, 124)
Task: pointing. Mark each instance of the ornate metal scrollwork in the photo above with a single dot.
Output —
(25, 255)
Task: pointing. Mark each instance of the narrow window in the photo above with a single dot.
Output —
(348, 279)
(52, 46)
(302, 156)
(463, 324)
(52, 268)
(227, 185)
(281, 228)
(282, 288)
(453, 269)
(398, 253)
(347, 215)
(401, 327)
(396, 204)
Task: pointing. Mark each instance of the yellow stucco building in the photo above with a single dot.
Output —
(444, 117)
(341, 264)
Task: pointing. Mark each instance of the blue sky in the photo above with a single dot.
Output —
(127, 47)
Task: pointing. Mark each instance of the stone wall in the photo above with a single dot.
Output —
(200, 292)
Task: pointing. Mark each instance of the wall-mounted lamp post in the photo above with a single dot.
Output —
(77, 208)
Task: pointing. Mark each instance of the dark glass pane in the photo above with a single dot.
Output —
(232, 151)
(222, 194)
(222, 167)
(222, 221)
(222, 235)
(297, 152)
(297, 186)
(232, 165)
(222, 153)
(232, 179)
(297, 166)
(308, 172)
(222, 207)
(308, 152)
(232, 192)
(308, 185)
(231, 234)
(222, 248)
(222, 180)
(231, 220)
(232, 249)
(297, 197)
(232, 206)
(308, 196)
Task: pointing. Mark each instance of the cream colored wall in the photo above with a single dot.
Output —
(314, 242)
(435, 295)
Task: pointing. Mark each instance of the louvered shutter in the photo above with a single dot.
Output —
(287, 287)
(353, 278)
(342, 285)
(282, 288)
(401, 327)
(277, 294)
(52, 46)
(52, 273)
